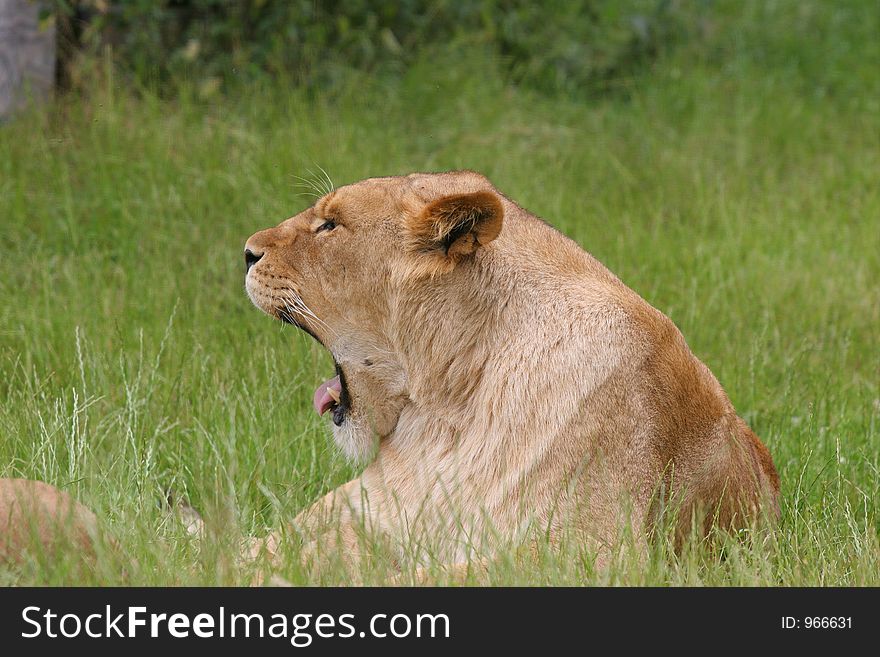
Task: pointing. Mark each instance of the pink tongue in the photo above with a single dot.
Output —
(323, 400)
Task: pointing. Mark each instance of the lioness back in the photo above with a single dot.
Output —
(654, 408)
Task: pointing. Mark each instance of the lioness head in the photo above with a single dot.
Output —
(336, 270)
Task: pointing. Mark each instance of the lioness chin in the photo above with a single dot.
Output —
(497, 378)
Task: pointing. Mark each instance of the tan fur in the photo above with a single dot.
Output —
(501, 379)
(39, 519)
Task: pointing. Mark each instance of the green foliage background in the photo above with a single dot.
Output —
(572, 46)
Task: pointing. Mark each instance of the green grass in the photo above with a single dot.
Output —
(735, 188)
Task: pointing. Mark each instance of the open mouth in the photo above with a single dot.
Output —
(332, 395)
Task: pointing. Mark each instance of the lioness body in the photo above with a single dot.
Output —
(510, 380)
(39, 520)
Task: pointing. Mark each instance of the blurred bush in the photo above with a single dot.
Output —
(572, 46)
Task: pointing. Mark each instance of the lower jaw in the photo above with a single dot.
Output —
(286, 318)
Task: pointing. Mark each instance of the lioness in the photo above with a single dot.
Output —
(496, 377)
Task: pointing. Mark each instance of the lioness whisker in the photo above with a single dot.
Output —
(330, 185)
(320, 182)
(299, 307)
(310, 184)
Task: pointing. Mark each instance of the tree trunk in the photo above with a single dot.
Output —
(27, 55)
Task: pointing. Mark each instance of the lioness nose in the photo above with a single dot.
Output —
(251, 258)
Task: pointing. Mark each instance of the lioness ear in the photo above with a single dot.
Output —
(456, 226)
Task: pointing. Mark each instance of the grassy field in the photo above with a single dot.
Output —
(737, 191)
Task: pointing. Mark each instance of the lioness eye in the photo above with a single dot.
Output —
(327, 225)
